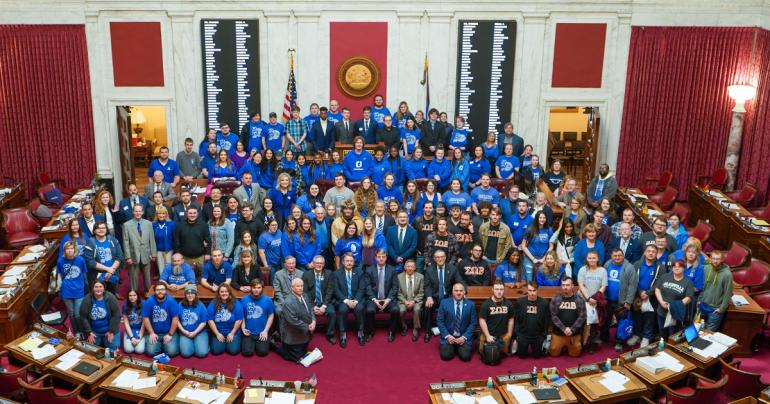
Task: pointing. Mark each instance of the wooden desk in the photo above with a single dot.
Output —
(90, 352)
(13, 199)
(588, 388)
(58, 226)
(743, 323)
(436, 392)
(478, 294)
(43, 333)
(165, 379)
(702, 363)
(565, 392)
(204, 380)
(271, 386)
(653, 381)
(206, 295)
(644, 210)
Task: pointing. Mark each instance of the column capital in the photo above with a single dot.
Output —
(440, 16)
(624, 18)
(180, 16)
(307, 16)
(535, 17)
(92, 15)
(277, 16)
(409, 16)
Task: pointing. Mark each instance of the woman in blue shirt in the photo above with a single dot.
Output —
(319, 170)
(225, 315)
(398, 165)
(350, 242)
(460, 168)
(430, 194)
(509, 271)
(526, 158)
(283, 196)
(402, 116)
(458, 139)
(476, 166)
(258, 315)
(491, 148)
(456, 196)
(412, 198)
(100, 317)
(163, 228)
(589, 242)
(133, 339)
(416, 167)
(306, 245)
(440, 170)
(287, 239)
(536, 244)
(388, 190)
(253, 166)
(311, 200)
(551, 272)
(381, 166)
(266, 179)
(507, 165)
(410, 137)
(193, 317)
(71, 271)
(337, 164)
(73, 233)
(269, 246)
(203, 146)
(223, 168)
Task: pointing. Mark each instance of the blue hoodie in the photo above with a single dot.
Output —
(252, 168)
(357, 166)
(459, 138)
(387, 194)
(442, 169)
(379, 169)
(271, 243)
(398, 168)
(416, 169)
(319, 172)
(461, 171)
(304, 250)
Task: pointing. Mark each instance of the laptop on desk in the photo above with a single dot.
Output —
(695, 341)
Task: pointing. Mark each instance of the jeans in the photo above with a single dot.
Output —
(644, 323)
(73, 310)
(233, 348)
(273, 269)
(171, 349)
(252, 344)
(529, 268)
(198, 346)
(712, 320)
(101, 340)
(666, 332)
(130, 348)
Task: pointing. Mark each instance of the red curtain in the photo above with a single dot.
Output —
(677, 113)
(46, 123)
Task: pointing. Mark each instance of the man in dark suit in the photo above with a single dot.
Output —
(319, 289)
(126, 205)
(382, 221)
(344, 130)
(382, 291)
(402, 241)
(350, 292)
(632, 248)
(158, 185)
(457, 324)
(322, 133)
(88, 219)
(439, 279)
(179, 212)
(434, 133)
(366, 127)
(296, 324)
(509, 137)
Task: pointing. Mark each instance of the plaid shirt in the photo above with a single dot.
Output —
(296, 129)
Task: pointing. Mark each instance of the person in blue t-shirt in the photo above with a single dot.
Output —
(251, 133)
(402, 115)
(226, 140)
(350, 242)
(160, 315)
(358, 162)
(313, 117)
(410, 137)
(484, 193)
(334, 114)
(458, 139)
(456, 196)
(648, 270)
(536, 243)
(269, 245)
(440, 170)
(225, 315)
(507, 165)
(133, 327)
(75, 234)
(476, 166)
(509, 271)
(258, 316)
(193, 320)
(551, 272)
(71, 270)
(104, 257)
(379, 110)
(167, 166)
(177, 274)
(490, 147)
(100, 317)
(211, 137)
(273, 135)
(217, 271)
(519, 222)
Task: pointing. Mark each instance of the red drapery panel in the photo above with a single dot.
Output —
(45, 104)
(676, 114)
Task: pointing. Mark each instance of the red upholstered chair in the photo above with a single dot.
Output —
(743, 196)
(698, 390)
(324, 185)
(44, 390)
(666, 198)
(41, 191)
(737, 255)
(45, 178)
(21, 228)
(656, 183)
(763, 300)
(761, 213)
(9, 385)
(702, 231)
(754, 277)
(716, 180)
(682, 210)
(421, 184)
(741, 383)
(33, 206)
(500, 185)
(6, 256)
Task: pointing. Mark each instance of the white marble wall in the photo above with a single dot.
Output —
(413, 29)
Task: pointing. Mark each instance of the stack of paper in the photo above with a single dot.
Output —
(278, 397)
(43, 352)
(10, 279)
(15, 270)
(520, 393)
(50, 317)
(723, 339)
(462, 398)
(712, 351)
(37, 248)
(28, 257)
(614, 381)
(126, 379)
(69, 359)
(650, 364)
(669, 362)
(144, 383)
(30, 343)
(486, 400)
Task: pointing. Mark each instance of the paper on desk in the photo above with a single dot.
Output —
(278, 397)
(28, 257)
(669, 362)
(43, 352)
(614, 381)
(521, 394)
(446, 397)
(306, 401)
(10, 280)
(18, 270)
(462, 398)
(144, 383)
(722, 338)
(48, 317)
(30, 344)
(72, 354)
(37, 248)
(737, 300)
(486, 400)
(66, 365)
(126, 379)
(49, 228)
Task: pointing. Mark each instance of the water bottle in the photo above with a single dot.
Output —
(533, 376)
(238, 377)
(661, 345)
(490, 383)
(608, 365)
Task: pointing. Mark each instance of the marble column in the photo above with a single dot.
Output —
(531, 109)
(440, 67)
(308, 61)
(609, 135)
(410, 62)
(187, 91)
(277, 62)
(734, 149)
(105, 145)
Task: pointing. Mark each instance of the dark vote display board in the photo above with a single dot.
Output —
(230, 50)
(485, 56)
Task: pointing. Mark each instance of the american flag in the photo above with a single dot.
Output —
(291, 92)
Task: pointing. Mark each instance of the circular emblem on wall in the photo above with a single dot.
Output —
(358, 77)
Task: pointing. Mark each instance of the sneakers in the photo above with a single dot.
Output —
(633, 340)
(645, 342)
(618, 347)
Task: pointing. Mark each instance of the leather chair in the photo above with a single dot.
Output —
(9, 385)
(33, 206)
(702, 231)
(698, 390)
(21, 228)
(44, 390)
(324, 185)
(737, 255)
(656, 183)
(500, 185)
(754, 277)
(45, 178)
(6, 256)
(763, 300)
(762, 213)
(743, 196)
(741, 383)
(716, 180)
(41, 191)
(421, 184)
(666, 198)
(682, 210)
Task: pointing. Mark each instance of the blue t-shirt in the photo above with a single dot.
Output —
(191, 317)
(271, 243)
(490, 195)
(73, 275)
(478, 167)
(334, 117)
(412, 137)
(256, 312)
(187, 275)
(351, 245)
(217, 276)
(310, 120)
(507, 273)
(274, 136)
(545, 280)
(100, 316)
(613, 282)
(519, 226)
(459, 138)
(227, 142)
(537, 173)
(379, 113)
(538, 245)
(169, 170)
(507, 165)
(103, 254)
(224, 318)
(646, 275)
(134, 319)
(695, 273)
(462, 199)
(255, 136)
(160, 314)
(387, 194)
(490, 153)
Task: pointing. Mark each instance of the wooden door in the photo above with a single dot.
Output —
(591, 142)
(126, 151)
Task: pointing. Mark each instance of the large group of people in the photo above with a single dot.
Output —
(395, 233)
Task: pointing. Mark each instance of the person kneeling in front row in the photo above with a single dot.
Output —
(193, 318)
(531, 314)
(225, 315)
(100, 317)
(568, 315)
(160, 314)
(496, 320)
(457, 323)
(258, 315)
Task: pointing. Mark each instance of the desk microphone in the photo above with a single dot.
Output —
(442, 383)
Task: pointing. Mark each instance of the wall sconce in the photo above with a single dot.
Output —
(741, 94)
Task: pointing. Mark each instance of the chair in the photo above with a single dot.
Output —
(754, 276)
(763, 300)
(38, 306)
(45, 178)
(666, 198)
(324, 185)
(656, 183)
(9, 386)
(737, 255)
(701, 231)
(500, 185)
(570, 136)
(20, 227)
(761, 213)
(741, 383)
(41, 193)
(421, 183)
(34, 205)
(698, 390)
(682, 210)
(716, 180)
(43, 390)
(743, 196)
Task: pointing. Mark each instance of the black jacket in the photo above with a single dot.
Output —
(112, 306)
(390, 136)
(241, 279)
(243, 225)
(451, 276)
(433, 137)
(327, 288)
(520, 313)
(189, 238)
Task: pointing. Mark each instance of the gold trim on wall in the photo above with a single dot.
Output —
(358, 77)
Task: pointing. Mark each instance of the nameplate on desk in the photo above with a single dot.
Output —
(195, 373)
(137, 362)
(50, 331)
(582, 369)
(514, 377)
(267, 383)
(92, 349)
(454, 385)
(636, 353)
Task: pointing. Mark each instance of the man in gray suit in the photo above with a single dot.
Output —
(282, 282)
(249, 191)
(345, 128)
(139, 247)
(296, 323)
(158, 185)
(411, 293)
